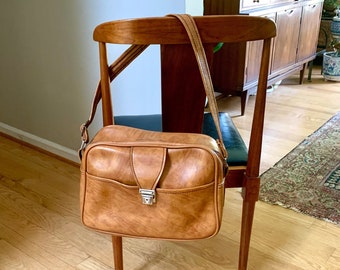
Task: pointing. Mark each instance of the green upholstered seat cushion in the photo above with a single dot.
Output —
(148, 122)
(237, 150)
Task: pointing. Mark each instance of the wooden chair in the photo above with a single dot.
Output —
(183, 96)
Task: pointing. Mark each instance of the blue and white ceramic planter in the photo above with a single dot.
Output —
(331, 60)
(335, 26)
(331, 66)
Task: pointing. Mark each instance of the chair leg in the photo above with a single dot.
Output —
(250, 195)
(117, 245)
(246, 227)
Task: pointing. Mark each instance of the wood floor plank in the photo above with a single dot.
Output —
(202, 254)
(28, 249)
(92, 264)
(95, 245)
(37, 224)
(334, 261)
(32, 180)
(12, 258)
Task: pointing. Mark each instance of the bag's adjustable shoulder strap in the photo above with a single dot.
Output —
(196, 42)
(114, 70)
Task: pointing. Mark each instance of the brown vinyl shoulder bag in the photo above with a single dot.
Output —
(148, 184)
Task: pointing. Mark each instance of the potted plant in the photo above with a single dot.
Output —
(331, 60)
(329, 6)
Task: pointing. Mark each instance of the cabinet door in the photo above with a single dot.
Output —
(253, 60)
(253, 57)
(309, 31)
(286, 41)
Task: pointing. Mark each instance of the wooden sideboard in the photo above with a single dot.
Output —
(235, 67)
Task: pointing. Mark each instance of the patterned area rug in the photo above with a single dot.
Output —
(307, 179)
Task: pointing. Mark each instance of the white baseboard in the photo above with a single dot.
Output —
(41, 143)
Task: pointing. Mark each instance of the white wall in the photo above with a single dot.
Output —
(194, 7)
(49, 67)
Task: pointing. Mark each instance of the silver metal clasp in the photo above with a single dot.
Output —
(148, 196)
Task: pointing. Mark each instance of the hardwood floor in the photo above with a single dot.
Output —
(39, 206)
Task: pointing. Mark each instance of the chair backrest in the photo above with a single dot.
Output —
(183, 94)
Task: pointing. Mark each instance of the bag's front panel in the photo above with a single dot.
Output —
(112, 207)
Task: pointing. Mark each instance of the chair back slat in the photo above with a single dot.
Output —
(168, 30)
